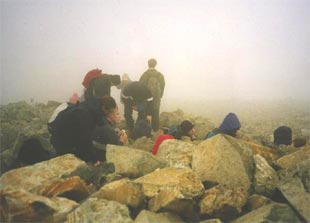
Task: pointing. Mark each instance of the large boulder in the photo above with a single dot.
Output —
(30, 177)
(130, 162)
(290, 160)
(293, 190)
(18, 205)
(265, 177)
(143, 143)
(223, 202)
(184, 180)
(124, 191)
(270, 154)
(176, 153)
(217, 160)
(99, 210)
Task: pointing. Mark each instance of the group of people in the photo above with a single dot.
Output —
(78, 126)
(84, 125)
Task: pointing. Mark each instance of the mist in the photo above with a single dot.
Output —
(239, 50)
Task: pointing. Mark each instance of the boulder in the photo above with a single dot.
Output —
(265, 177)
(290, 160)
(123, 191)
(30, 177)
(176, 153)
(171, 199)
(275, 212)
(72, 188)
(184, 180)
(18, 205)
(293, 190)
(256, 201)
(271, 155)
(143, 143)
(146, 216)
(99, 210)
(223, 202)
(217, 160)
(130, 162)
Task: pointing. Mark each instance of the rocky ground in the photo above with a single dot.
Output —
(221, 179)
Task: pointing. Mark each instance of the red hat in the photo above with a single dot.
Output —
(159, 140)
(95, 73)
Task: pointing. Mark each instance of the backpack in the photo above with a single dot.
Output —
(154, 86)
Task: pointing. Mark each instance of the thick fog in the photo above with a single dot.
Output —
(207, 50)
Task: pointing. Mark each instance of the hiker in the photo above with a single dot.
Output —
(185, 129)
(125, 80)
(72, 129)
(137, 96)
(230, 126)
(107, 133)
(98, 84)
(155, 81)
(282, 136)
(74, 99)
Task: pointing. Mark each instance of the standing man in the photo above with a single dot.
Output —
(136, 96)
(155, 81)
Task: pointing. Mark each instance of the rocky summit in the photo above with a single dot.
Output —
(220, 179)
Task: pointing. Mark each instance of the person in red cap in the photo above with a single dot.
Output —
(186, 128)
(98, 84)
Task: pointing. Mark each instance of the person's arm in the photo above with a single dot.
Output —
(162, 84)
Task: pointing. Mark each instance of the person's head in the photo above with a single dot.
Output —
(114, 79)
(282, 136)
(125, 77)
(114, 116)
(108, 105)
(187, 128)
(152, 63)
(230, 125)
(31, 152)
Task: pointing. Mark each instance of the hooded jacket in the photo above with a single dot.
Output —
(229, 126)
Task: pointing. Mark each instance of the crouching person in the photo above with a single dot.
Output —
(73, 128)
(107, 133)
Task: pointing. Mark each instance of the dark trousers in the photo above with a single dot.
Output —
(155, 114)
(128, 109)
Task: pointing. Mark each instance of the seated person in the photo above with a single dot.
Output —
(230, 126)
(72, 129)
(107, 133)
(185, 129)
(282, 136)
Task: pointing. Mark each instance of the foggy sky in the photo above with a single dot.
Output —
(207, 49)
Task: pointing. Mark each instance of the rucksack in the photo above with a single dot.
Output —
(154, 86)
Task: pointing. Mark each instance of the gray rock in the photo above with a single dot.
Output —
(256, 201)
(293, 190)
(30, 177)
(176, 153)
(217, 160)
(130, 162)
(290, 160)
(143, 143)
(146, 216)
(100, 210)
(265, 177)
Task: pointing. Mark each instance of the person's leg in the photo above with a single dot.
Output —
(155, 115)
(128, 114)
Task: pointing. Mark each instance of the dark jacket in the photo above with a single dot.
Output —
(229, 126)
(152, 72)
(73, 128)
(106, 134)
(138, 93)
